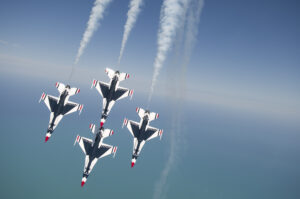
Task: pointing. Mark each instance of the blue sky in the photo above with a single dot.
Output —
(240, 123)
(245, 56)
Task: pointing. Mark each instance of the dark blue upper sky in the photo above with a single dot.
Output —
(246, 51)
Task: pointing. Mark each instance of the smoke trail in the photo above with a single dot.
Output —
(191, 30)
(92, 25)
(133, 12)
(177, 131)
(159, 191)
(171, 13)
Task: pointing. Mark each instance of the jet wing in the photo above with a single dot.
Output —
(70, 107)
(104, 150)
(85, 144)
(121, 93)
(133, 128)
(50, 101)
(151, 133)
(102, 88)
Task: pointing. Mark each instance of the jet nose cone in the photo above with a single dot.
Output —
(101, 124)
(46, 139)
(82, 183)
(132, 164)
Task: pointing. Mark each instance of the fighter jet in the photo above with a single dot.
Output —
(111, 92)
(94, 150)
(141, 132)
(60, 106)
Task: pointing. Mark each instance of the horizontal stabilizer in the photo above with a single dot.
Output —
(141, 112)
(107, 132)
(123, 76)
(74, 91)
(110, 72)
(60, 87)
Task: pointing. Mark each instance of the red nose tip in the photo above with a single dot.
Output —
(101, 124)
(132, 164)
(46, 139)
(82, 183)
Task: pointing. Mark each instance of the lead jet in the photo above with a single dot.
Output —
(60, 106)
(94, 150)
(141, 132)
(111, 92)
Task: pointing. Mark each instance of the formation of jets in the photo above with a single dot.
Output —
(110, 92)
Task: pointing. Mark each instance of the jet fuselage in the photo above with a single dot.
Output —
(59, 107)
(111, 93)
(141, 137)
(93, 151)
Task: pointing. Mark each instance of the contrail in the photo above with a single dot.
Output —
(193, 20)
(159, 191)
(171, 13)
(92, 25)
(177, 131)
(132, 15)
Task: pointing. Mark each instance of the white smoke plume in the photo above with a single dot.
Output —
(132, 15)
(171, 13)
(160, 186)
(190, 21)
(97, 14)
(193, 20)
